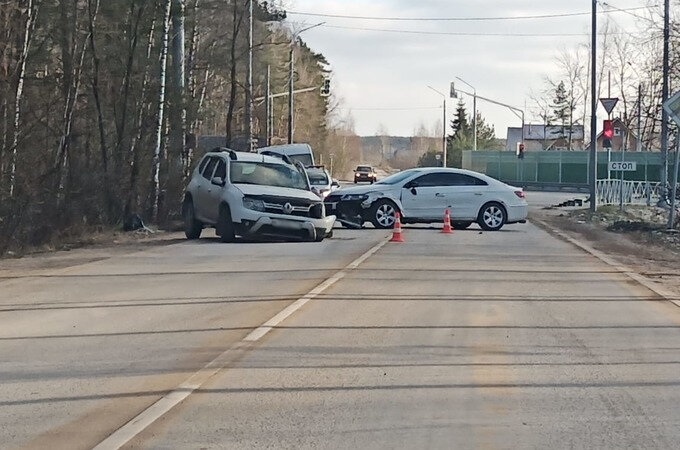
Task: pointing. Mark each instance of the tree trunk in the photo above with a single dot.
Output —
(179, 114)
(161, 110)
(31, 14)
(233, 81)
(133, 159)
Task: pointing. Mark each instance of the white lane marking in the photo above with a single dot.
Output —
(144, 419)
(625, 270)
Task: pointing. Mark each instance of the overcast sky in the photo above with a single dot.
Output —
(389, 70)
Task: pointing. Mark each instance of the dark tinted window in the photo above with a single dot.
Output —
(221, 170)
(209, 168)
(461, 179)
(432, 180)
(364, 169)
(203, 164)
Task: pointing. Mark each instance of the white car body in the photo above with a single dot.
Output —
(420, 200)
(296, 152)
(283, 211)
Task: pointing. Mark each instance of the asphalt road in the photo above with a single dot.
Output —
(496, 340)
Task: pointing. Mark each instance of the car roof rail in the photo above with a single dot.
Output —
(232, 154)
(285, 158)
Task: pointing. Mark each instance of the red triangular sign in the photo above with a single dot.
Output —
(609, 104)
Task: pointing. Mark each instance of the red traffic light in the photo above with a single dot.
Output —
(608, 132)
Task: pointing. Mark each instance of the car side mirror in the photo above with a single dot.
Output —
(218, 181)
(335, 183)
(413, 191)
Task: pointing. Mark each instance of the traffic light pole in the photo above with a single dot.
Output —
(443, 125)
(593, 115)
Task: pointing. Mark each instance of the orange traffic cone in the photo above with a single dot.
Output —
(448, 229)
(397, 235)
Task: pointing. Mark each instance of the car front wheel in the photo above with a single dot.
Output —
(383, 214)
(492, 217)
(192, 227)
(225, 226)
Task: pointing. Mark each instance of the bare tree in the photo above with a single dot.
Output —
(161, 110)
(31, 8)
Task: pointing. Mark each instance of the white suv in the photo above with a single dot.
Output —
(251, 194)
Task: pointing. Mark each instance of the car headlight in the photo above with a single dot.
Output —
(355, 197)
(255, 205)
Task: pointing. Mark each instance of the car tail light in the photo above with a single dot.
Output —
(520, 194)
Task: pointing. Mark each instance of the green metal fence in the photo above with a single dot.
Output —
(568, 169)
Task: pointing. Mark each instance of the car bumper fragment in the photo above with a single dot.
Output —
(297, 228)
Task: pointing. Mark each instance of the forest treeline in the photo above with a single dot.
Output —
(102, 101)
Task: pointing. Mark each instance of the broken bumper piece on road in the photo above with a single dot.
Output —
(305, 230)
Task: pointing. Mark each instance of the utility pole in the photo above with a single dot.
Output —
(444, 125)
(474, 112)
(593, 114)
(291, 92)
(665, 94)
(249, 80)
(638, 146)
(268, 106)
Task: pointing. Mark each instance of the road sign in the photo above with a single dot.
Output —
(672, 107)
(609, 104)
(622, 166)
(454, 94)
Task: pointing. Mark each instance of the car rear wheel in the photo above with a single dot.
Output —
(492, 217)
(192, 227)
(383, 214)
(225, 226)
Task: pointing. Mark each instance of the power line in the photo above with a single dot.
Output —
(450, 33)
(407, 108)
(462, 19)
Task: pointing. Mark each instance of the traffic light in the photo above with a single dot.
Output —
(520, 150)
(608, 133)
(326, 88)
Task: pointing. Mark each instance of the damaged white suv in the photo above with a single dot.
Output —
(250, 194)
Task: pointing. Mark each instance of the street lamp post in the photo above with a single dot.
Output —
(443, 125)
(291, 82)
(474, 111)
(516, 111)
(593, 113)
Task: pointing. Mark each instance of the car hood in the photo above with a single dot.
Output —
(253, 189)
(365, 189)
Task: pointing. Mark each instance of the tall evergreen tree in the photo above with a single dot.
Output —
(561, 107)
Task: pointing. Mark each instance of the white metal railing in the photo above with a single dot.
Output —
(634, 192)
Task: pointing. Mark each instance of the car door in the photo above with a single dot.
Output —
(424, 197)
(203, 187)
(464, 194)
(213, 196)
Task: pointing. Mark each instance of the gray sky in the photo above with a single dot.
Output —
(389, 70)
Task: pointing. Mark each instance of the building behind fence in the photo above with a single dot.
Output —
(561, 169)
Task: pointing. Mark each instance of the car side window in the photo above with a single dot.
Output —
(221, 170)
(432, 180)
(461, 179)
(203, 164)
(209, 169)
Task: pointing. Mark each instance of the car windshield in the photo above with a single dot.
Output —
(305, 160)
(266, 174)
(363, 169)
(317, 178)
(398, 177)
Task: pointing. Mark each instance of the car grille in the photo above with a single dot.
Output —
(299, 207)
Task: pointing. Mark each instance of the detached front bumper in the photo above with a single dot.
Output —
(306, 229)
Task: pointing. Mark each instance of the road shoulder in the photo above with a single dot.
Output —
(649, 264)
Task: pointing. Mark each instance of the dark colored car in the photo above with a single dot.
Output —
(365, 173)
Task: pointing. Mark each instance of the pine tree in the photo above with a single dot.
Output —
(561, 108)
(460, 124)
